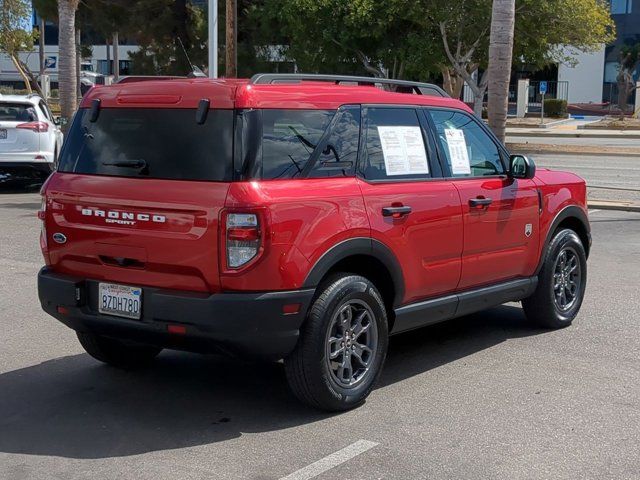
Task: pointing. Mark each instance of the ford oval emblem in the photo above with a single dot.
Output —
(59, 238)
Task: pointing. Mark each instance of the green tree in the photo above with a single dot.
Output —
(14, 36)
(162, 28)
(358, 37)
(542, 29)
(417, 39)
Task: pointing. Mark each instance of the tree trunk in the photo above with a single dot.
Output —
(107, 45)
(78, 63)
(27, 83)
(67, 59)
(116, 57)
(500, 59)
(231, 66)
(452, 82)
(41, 43)
(624, 81)
(478, 102)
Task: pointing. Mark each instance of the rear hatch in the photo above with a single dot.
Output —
(138, 195)
(19, 128)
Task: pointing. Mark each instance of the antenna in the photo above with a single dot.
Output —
(195, 71)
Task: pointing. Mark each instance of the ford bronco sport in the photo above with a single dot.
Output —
(296, 217)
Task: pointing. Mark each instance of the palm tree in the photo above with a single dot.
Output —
(500, 58)
(67, 74)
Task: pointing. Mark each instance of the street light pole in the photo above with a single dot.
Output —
(213, 38)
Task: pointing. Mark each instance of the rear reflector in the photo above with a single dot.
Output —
(177, 329)
(291, 308)
(62, 310)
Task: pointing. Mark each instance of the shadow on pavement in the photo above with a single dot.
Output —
(75, 407)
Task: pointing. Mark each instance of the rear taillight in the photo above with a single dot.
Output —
(243, 238)
(40, 127)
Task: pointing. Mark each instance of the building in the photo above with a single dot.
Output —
(593, 78)
(99, 61)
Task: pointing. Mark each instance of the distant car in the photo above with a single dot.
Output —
(30, 139)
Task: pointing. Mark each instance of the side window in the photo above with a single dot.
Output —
(469, 150)
(289, 137)
(395, 146)
(340, 150)
(43, 110)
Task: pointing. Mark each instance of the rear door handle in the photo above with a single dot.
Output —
(396, 211)
(480, 202)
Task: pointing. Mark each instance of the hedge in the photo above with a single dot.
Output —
(554, 107)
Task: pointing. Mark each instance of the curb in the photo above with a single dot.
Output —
(546, 134)
(610, 205)
(572, 149)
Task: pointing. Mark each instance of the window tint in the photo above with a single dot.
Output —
(17, 112)
(340, 151)
(151, 143)
(395, 145)
(469, 150)
(288, 139)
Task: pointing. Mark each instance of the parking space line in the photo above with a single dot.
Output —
(595, 210)
(331, 461)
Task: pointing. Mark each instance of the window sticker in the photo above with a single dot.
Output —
(458, 151)
(403, 150)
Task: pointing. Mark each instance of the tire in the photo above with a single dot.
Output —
(116, 353)
(330, 329)
(565, 253)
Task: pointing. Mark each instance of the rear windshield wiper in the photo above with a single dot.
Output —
(139, 164)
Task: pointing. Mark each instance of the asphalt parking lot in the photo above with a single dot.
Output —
(482, 397)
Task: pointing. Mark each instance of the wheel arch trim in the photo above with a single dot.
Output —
(362, 246)
(571, 211)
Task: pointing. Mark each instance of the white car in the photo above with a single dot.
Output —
(30, 138)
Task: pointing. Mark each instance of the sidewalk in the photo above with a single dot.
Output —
(570, 131)
(614, 205)
(569, 138)
(608, 159)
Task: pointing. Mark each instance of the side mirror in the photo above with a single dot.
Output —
(521, 166)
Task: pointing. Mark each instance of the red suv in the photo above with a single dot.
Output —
(297, 217)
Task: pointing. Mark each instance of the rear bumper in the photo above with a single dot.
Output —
(31, 158)
(250, 324)
(27, 170)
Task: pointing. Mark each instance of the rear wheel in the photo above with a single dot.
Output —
(115, 352)
(561, 283)
(342, 345)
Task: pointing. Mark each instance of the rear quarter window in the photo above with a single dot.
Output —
(289, 137)
(151, 143)
(17, 112)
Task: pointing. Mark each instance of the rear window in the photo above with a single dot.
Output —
(17, 112)
(151, 143)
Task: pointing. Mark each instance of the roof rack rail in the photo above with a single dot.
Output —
(402, 86)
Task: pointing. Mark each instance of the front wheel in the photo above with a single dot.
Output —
(561, 283)
(342, 345)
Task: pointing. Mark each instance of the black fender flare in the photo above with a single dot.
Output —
(571, 211)
(358, 246)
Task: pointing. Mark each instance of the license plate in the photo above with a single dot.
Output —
(120, 300)
(3, 133)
